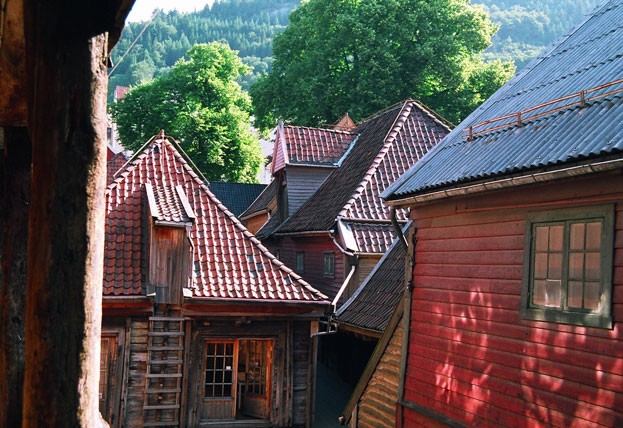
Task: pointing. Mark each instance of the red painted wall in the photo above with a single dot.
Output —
(471, 358)
(314, 247)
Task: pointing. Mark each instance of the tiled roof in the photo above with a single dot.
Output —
(263, 199)
(374, 302)
(268, 228)
(588, 57)
(170, 204)
(237, 197)
(387, 145)
(310, 146)
(372, 237)
(229, 262)
(113, 165)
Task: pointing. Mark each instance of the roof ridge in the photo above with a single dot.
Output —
(339, 131)
(389, 139)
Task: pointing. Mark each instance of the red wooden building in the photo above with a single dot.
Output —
(202, 325)
(516, 301)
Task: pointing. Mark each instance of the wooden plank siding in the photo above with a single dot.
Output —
(365, 265)
(137, 367)
(302, 183)
(314, 248)
(377, 405)
(471, 358)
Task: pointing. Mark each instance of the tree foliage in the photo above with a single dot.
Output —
(526, 28)
(358, 56)
(199, 103)
(248, 26)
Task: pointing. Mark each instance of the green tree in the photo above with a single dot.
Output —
(359, 56)
(199, 103)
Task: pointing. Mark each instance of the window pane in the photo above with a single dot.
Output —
(210, 361)
(591, 295)
(593, 236)
(541, 238)
(538, 297)
(220, 348)
(592, 266)
(228, 376)
(227, 391)
(576, 265)
(554, 266)
(552, 298)
(218, 376)
(555, 238)
(574, 294)
(540, 265)
(576, 238)
(220, 362)
(218, 390)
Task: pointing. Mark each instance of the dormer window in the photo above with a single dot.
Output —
(169, 262)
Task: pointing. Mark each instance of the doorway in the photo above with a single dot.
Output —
(236, 379)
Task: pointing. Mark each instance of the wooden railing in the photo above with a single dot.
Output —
(520, 116)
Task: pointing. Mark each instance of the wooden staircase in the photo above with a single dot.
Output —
(165, 367)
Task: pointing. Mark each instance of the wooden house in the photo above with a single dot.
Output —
(336, 236)
(375, 311)
(514, 314)
(202, 325)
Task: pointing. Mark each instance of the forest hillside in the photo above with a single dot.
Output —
(249, 26)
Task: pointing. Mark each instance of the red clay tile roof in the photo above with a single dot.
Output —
(299, 145)
(229, 262)
(113, 165)
(169, 204)
(120, 92)
(387, 145)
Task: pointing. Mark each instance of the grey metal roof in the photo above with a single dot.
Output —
(589, 56)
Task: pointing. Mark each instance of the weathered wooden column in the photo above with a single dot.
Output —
(14, 196)
(66, 54)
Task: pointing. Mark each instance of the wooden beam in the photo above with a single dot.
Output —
(66, 62)
(14, 197)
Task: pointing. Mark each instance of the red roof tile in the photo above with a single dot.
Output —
(299, 145)
(229, 262)
(113, 165)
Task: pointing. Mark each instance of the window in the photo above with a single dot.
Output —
(300, 262)
(219, 370)
(329, 264)
(568, 266)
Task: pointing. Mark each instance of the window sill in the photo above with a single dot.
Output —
(573, 318)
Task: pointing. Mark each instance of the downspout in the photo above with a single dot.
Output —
(406, 316)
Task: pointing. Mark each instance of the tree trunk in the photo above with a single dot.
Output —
(66, 220)
(15, 161)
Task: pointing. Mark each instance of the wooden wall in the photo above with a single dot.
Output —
(302, 183)
(314, 247)
(364, 267)
(134, 395)
(256, 222)
(377, 405)
(471, 357)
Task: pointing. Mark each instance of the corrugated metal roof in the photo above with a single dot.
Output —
(591, 55)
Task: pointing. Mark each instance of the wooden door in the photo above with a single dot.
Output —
(258, 369)
(219, 379)
(109, 374)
